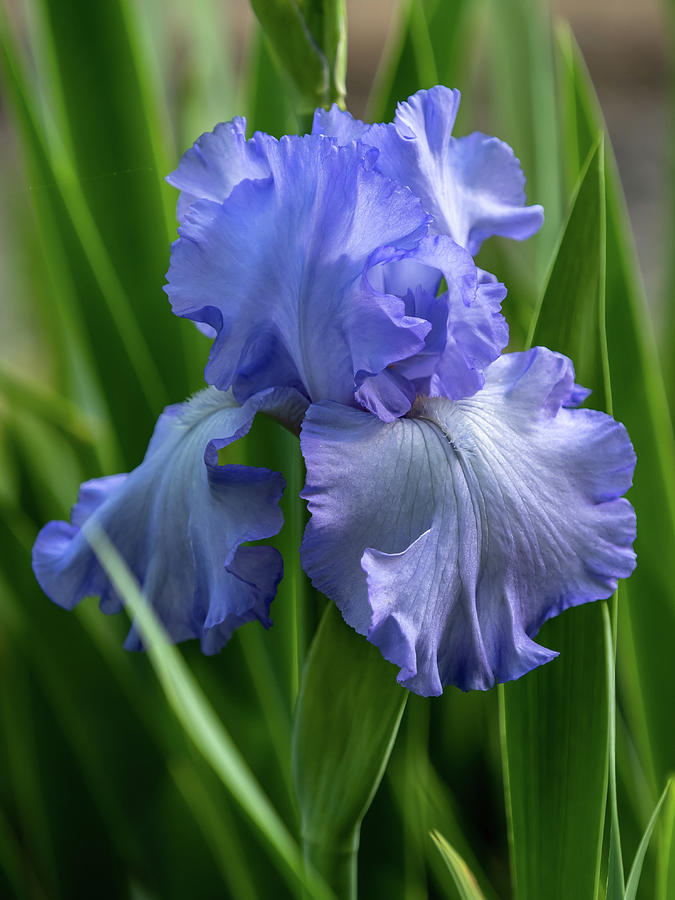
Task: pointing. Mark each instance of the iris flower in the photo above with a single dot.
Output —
(459, 497)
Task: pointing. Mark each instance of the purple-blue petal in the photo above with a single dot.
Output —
(467, 331)
(339, 124)
(179, 521)
(491, 191)
(449, 536)
(473, 186)
(474, 332)
(216, 162)
(278, 268)
(388, 394)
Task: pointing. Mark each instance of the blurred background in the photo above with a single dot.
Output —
(101, 791)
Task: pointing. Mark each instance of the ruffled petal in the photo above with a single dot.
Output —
(179, 521)
(450, 536)
(278, 270)
(388, 394)
(491, 196)
(471, 332)
(215, 163)
(467, 333)
(339, 124)
(473, 186)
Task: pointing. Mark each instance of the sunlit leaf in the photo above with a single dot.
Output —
(466, 883)
(636, 869)
(665, 879)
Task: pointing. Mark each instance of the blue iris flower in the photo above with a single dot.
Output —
(458, 496)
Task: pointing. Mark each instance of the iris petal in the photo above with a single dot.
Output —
(467, 331)
(473, 186)
(339, 124)
(216, 162)
(179, 521)
(450, 536)
(278, 270)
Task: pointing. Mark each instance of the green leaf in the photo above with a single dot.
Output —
(61, 697)
(48, 405)
(99, 207)
(554, 721)
(201, 723)
(615, 874)
(267, 108)
(554, 735)
(578, 133)
(647, 613)
(219, 831)
(26, 777)
(424, 799)
(665, 881)
(570, 316)
(11, 862)
(636, 868)
(521, 51)
(431, 48)
(466, 883)
(346, 721)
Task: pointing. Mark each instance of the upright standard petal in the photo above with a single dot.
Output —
(216, 162)
(279, 270)
(450, 536)
(473, 186)
(179, 521)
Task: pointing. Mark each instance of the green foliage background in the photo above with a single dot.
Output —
(171, 775)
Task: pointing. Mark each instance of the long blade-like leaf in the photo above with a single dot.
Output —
(615, 876)
(524, 83)
(570, 316)
(665, 881)
(647, 613)
(555, 720)
(636, 869)
(466, 883)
